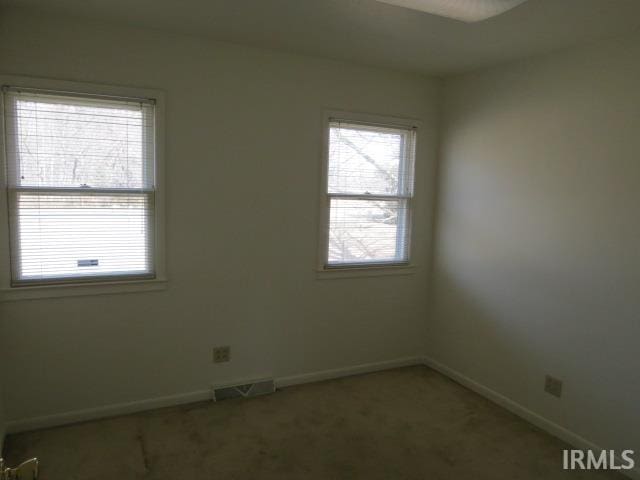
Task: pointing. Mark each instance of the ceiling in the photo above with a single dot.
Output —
(367, 31)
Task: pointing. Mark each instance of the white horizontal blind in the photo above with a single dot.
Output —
(369, 189)
(81, 186)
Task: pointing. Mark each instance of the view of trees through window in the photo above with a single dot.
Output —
(81, 181)
(369, 187)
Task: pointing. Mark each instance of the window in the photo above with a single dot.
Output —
(81, 187)
(369, 188)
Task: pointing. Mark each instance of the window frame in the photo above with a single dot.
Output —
(97, 285)
(323, 269)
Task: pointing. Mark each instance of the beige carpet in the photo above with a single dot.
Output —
(409, 423)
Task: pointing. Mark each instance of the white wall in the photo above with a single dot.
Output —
(243, 151)
(537, 264)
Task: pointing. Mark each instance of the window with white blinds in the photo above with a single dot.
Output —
(369, 192)
(80, 185)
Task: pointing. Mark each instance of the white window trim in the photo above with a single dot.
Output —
(9, 293)
(367, 269)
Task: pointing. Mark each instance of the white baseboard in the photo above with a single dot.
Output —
(539, 421)
(66, 418)
(346, 371)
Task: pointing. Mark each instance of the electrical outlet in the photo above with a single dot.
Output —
(221, 354)
(553, 386)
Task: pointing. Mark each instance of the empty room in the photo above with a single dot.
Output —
(319, 239)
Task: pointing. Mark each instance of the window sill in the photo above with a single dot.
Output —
(365, 271)
(81, 289)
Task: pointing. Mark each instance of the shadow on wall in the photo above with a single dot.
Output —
(504, 328)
